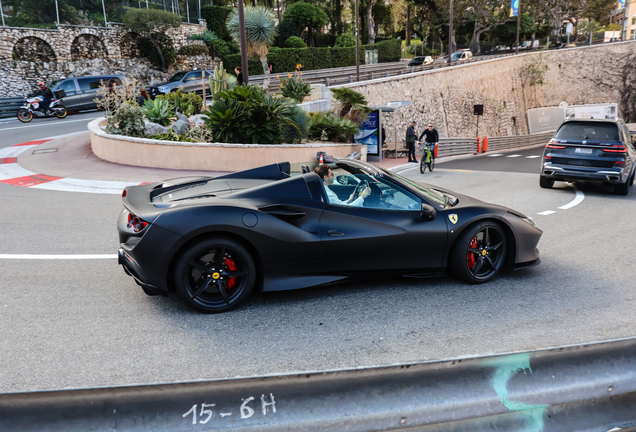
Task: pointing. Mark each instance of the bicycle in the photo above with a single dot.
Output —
(427, 158)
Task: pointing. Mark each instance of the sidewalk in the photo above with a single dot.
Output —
(72, 156)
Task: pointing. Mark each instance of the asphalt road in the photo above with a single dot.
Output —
(84, 323)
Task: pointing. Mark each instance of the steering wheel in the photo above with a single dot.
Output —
(361, 187)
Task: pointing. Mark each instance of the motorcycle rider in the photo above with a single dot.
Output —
(47, 96)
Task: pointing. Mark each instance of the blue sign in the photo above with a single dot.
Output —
(514, 7)
(368, 133)
(622, 3)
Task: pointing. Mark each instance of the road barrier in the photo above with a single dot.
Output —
(508, 142)
(457, 146)
(9, 106)
(587, 387)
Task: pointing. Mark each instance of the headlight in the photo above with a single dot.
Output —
(162, 89)
(530, 221)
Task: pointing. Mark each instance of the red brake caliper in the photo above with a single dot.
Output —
(231, 265)
(471, 256)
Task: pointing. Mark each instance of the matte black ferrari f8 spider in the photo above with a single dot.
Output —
(213, 240)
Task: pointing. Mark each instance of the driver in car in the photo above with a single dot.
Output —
(325, 173)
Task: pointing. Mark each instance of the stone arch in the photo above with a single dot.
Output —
(129, 46)
(34, 49)
(88, 46)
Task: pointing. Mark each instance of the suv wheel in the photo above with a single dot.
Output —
(546, 183)
(622, 189)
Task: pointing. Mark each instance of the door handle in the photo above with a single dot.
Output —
(334, 233)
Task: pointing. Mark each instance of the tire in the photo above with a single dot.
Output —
(479, 253)
(24, 115)
(216, 291)
(622, 189)
(422, 165)
(60, 111)
(431, 165)
(631, 179)
(546, 183)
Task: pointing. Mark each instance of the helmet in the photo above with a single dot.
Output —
(41, 84)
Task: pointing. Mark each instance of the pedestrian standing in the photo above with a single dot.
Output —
(431, 137)
(142, 97)
(239, 74)
(410, 141)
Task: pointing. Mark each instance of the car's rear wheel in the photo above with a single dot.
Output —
(479, 253)
(546, 183)
(622, 189)
(215, 275)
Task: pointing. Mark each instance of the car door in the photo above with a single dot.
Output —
(192, 82)
(88, 87)
(382, 235)
(73, 100)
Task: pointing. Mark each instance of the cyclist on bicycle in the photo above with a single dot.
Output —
(432, 138)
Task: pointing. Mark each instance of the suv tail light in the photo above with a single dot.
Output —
(616, 149)
(136, 223)
(552, 145)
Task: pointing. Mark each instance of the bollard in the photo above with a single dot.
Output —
(484, 146)
(387, 74)
(411, 69)
(371, 73)
(478, 145)
(327, 82)
(350, 79)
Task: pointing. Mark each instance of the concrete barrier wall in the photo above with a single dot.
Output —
(204, 156)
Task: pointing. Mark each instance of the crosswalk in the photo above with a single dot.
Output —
(513, 156)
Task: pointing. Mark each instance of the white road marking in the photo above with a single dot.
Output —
(533, 156)
(13, 170)
(15, 151)
(57, 257)
(495, 155)
(48, 124)
(547, 212)
(577, 200)
(89, 186)
(514, 156)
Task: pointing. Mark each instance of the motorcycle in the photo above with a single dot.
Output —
(32, 108)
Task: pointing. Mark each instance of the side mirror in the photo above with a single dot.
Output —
(428, 212)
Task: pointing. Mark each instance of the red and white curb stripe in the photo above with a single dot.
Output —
(13, 174)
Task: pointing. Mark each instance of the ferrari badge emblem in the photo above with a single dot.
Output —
(452, 218)
(215, 275)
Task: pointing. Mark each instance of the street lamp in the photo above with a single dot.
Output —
(358, 45)
(450, 34)
(244, 66)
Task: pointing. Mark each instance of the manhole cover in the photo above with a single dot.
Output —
(47, 150)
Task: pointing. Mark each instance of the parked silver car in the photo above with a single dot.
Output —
(187, 81)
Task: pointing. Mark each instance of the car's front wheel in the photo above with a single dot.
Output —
(479, 253)
(215, 275)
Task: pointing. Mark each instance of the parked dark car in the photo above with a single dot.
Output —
(81, 91)
(593, 151)
(187, 81)
(213, 240)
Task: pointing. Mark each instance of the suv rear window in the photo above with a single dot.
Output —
(588, 131)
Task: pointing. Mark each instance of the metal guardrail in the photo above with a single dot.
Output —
(587, 387)
(9, 106)
(508, 142)
(456, 146)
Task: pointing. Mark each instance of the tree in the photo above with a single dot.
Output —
(507, 33)
(306, 16)
(487, 14)
(149, 24)
(260, 31)
(563, 10)
(370, 23)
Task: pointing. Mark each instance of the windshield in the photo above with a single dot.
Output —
(456, 56)
(177, 77)
(52, 84)
(431, 194)
(588, 131)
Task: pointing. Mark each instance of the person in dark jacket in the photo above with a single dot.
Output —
(239, 74)
(142, 97)
(411, 136)
(431, 137)
(47, 96)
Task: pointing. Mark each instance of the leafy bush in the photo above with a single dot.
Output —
(193, 50)
(200, 134)
(222, 49)
(157, 111)
(216, 17)
(246, 114)
(294, 135)
(345, 40)
(388, 51)
(322, 40)
(186, 103)
(167, 48)
(128, 120)
(295, 42)
(233, 60)
(171, 136)
(349, 99)
(286, 29)
(207, 36)
(294, 87)
(337, 129)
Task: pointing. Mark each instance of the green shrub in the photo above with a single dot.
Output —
(322, 40)
(216, 19)
(335, 128)
(342, 57)
(232, 61)
(292, 135)
(349, 99)
(172, 136)
(186, 103)
(157, 111)
(128, 120)
(345, 40)
(294, 87)
(295, 42)
(207, 36)
(225, 119)
(193, 50)
(388, 51)
(167, 48)
(222, 49)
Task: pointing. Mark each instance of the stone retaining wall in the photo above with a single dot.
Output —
(205, 156)
(586, 75)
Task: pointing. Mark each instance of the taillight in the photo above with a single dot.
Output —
(617, 149)
(124, 193)
(136, 223)
(552, 145)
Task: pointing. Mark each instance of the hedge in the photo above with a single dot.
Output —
(193, 50)
(233, 60)
(216, 19)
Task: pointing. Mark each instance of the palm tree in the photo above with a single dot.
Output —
(260, 31)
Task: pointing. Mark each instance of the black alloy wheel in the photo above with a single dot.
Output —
(24, 115)
(479, 253)
(215, 275)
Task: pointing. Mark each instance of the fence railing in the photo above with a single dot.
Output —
(10, 106)
(586, 387)
(508, 142)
